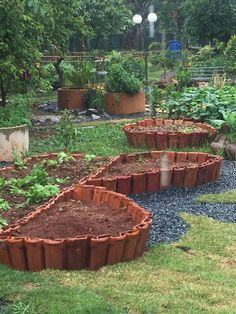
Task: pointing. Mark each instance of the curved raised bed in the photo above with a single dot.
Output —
(163, 134)
(158, 170)
(89, 251)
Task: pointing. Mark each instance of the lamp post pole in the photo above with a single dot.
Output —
(137, 19)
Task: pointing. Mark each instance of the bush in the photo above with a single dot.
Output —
(230, 55)
(80, 74)
(205, 104)
(134, 66)
(17, 112)
(120, 81)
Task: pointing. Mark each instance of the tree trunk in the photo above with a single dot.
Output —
(3, 94)
(59, 72)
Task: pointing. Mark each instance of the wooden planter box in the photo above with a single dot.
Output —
(13, 139)
(71, 98)
(118, 103)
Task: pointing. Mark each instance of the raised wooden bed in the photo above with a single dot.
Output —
(78, 251)
(156, 170)
(163, 134)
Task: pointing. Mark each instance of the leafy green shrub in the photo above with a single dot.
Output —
(48, 77)
(120, 81)
(17, 112)
(203, 104)
(230, 55)
(132, 65)
(183, 78)
(80, 75)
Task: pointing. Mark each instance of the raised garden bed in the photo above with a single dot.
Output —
(157, 170)
(163, 134)
(31, 183)
(51, 238)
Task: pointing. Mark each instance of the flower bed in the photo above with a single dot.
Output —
(163, 134)
(156, 170)
(77, 251)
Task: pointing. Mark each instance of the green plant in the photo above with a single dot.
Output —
(183, 78)
(64, 157)
(2, 183)
(205, 104)
(39, 192)
(120, 81)
(95, 97)
(4, 205)
(219, 81)
(165, 60)
(90, 157)
(133, 65)
(17, 112)
(18, 162)
(67, 131)
(81, 74)
(230, 55)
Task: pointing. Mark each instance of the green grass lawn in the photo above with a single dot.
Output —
(99, 138)
(228, 197)
(166, 280)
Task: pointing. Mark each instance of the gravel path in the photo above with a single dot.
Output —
(168, 226)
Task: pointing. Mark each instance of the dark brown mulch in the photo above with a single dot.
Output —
(74, 218)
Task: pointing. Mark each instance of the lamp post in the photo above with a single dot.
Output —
(137, 19)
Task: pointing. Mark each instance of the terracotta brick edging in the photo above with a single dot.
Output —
(205, 170)
(80, 252)
(93, 252)
(164, 140)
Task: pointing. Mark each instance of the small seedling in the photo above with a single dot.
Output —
(18, 161)
(90, 157)
(3, 205)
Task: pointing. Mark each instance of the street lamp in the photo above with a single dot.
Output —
(137, 19)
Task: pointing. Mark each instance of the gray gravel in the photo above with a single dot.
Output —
(166, 206)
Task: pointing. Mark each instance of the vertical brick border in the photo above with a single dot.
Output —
(164, 140)
(82, 252)
(207, 170)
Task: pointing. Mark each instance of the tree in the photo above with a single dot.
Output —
(20, 42)
(106, 17)
(207, 20)
(169, 15)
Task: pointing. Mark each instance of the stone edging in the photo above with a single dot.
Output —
(89, 252)
(164, 140)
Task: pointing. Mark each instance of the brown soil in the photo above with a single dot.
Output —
(184, 128)
(141, 166)
(74, 218)
(74, 170)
